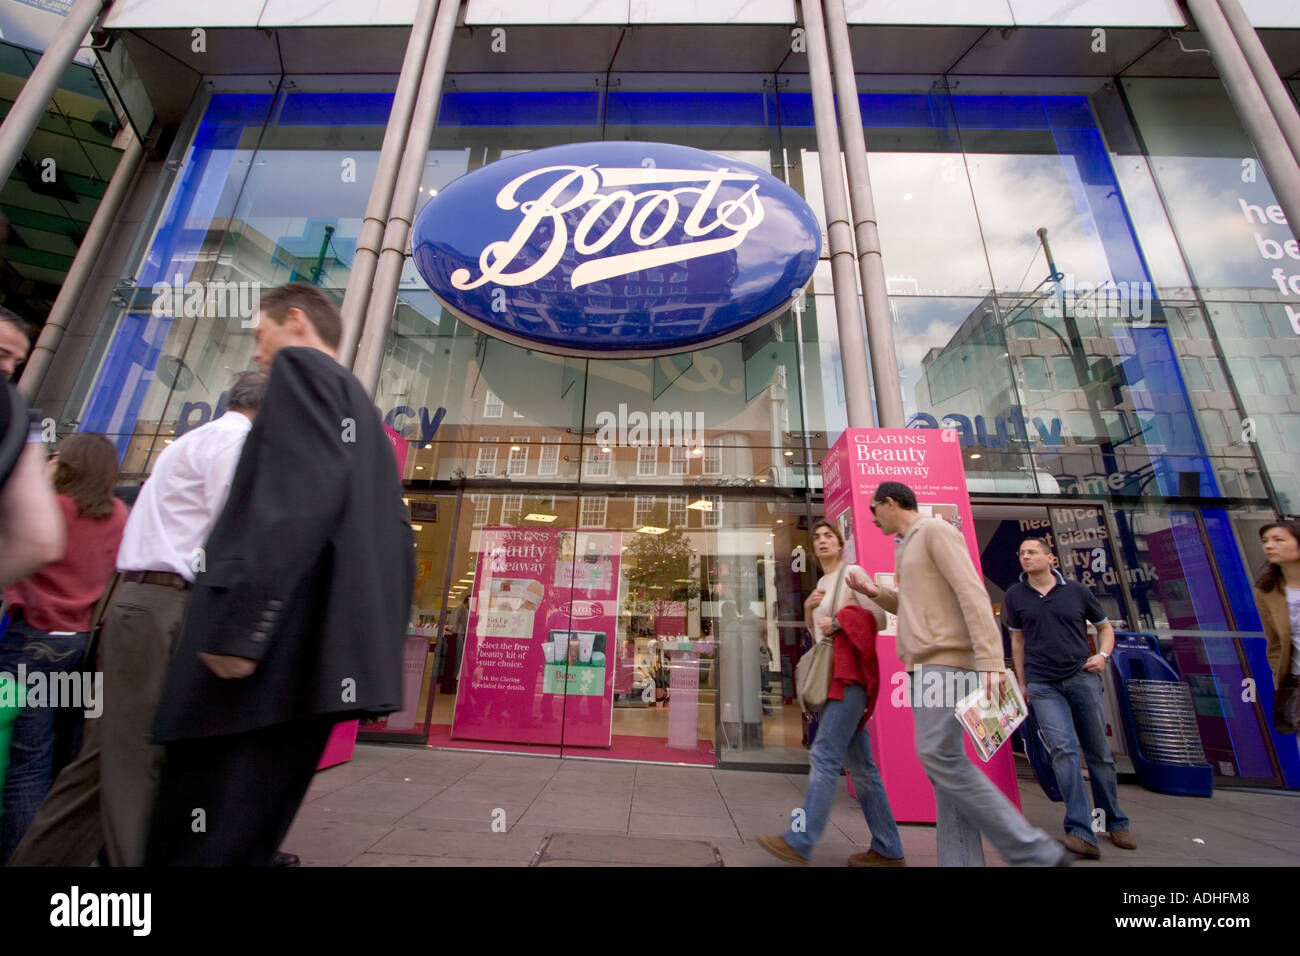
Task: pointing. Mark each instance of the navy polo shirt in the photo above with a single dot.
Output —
(1053, 624)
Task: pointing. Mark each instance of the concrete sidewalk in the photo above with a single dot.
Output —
(395, 806)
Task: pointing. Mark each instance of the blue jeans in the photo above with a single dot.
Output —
(967, 803)
(838, 744)
(1069, 714)
(31, 751)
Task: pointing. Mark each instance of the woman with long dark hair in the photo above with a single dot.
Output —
(1277, 595)
(841, 741)
(48, 625)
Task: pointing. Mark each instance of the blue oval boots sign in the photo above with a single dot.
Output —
(616, 249)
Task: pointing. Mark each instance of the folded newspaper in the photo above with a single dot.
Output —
(990, 723)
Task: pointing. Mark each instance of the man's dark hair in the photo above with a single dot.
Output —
(28, 329)
(315, 304)
(246, 393)
(1041, 542)
(903, 496)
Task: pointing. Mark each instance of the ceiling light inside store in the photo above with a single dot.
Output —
(546, 518)
(973, 457)
(907, 196)
(697, 450)
(780, 521)
(605, 448)
(419, 468)
(789, 454)
(704, 504)
(514, 447)
(650, 529)
(417, 527)
(762, 481)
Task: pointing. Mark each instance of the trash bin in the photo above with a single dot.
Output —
(1159, 720)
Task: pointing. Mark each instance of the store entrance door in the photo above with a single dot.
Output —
(1079, 536)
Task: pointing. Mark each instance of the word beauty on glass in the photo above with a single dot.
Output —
(616, 249)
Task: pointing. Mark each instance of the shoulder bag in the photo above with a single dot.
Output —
(812, 675)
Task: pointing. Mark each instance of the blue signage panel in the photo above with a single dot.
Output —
(616, 249)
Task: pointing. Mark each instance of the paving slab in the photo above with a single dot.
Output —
(331, 843)
(483, 845)
(570, 849)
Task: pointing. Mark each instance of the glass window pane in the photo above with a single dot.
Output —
(1035, 370)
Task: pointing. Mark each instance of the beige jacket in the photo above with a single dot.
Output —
(944, 613)
(1275, 616)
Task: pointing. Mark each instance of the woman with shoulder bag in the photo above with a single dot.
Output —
(50, 614)
(1277, 595)
(842, 741)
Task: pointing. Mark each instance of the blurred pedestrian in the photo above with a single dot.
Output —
(49, 619)
(299, 620)
(103, 799)
(32, 531)
(946, 631)
(842, 741)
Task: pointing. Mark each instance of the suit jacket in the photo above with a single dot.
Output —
(309, 568)
(1275, 617)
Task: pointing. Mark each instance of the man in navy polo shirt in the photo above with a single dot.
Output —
(1047, 616)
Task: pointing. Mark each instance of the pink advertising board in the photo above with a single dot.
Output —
(540, 654)
(929, 462)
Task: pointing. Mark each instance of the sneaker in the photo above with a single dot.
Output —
(1123, 839)
(872, 858)
(1081, 847)
(777, 846)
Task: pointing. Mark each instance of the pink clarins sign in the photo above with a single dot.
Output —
(540, 654)
(929, 462)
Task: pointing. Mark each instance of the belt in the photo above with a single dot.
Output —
(163, 578)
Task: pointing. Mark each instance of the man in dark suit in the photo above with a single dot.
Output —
(297, 623)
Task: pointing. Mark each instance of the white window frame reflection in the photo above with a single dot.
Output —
(548, 463)
(600, 463)
(493, 407)
(713, 456)
(487, 456)
(677, 512)
(647, 461)
(679, 462)
(713, 518)
(595, 511)
(517, 463)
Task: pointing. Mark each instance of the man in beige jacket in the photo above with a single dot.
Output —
(946, 637)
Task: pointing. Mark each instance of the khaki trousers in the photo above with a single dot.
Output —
(104, 798)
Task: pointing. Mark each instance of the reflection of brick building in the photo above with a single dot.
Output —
(1154, 405)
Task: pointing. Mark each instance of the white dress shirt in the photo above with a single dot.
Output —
(179, 503)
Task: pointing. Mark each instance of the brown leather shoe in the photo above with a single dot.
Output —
(872, 858)
(777, 846)
(1123, 839)
(1081, 847)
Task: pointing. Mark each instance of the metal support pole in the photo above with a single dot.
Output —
(839, 235)
(392, 257)
(871, 269)
(1279, 100)
(362, 274)
(39, 89)
(88, 253)
(1251, 107)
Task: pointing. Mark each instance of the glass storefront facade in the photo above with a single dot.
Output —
(1082, 282)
